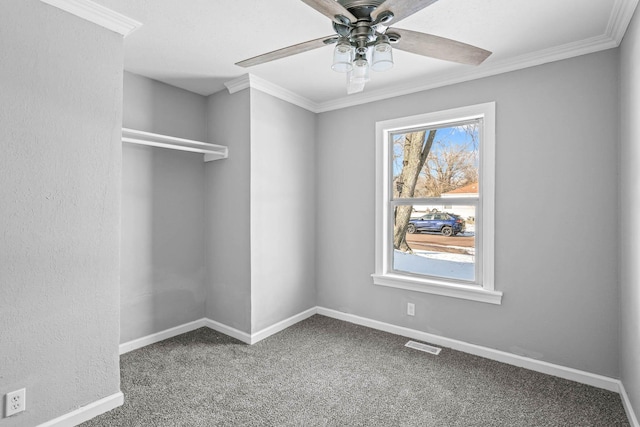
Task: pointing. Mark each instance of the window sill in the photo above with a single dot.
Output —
(473, 293)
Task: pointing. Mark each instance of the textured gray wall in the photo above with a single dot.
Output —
(61, 91)
(628, 213)
(227, 223)
(557, 132)
(162, 272)
(282, 210)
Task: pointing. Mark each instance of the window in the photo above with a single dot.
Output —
(435, 203)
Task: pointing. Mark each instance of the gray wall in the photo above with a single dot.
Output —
(227, 223)
(153, 106)
(282, 210)
(628, 213)
(60, 87)
(557, 132)
(260, 211)
(163, 246)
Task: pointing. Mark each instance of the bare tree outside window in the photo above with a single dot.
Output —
(415, 150)
(429, 163)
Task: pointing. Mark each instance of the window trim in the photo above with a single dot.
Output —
(383, 275)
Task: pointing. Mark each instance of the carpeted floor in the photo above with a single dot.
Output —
(325, 372)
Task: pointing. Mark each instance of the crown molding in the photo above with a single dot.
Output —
(255, 82)
(97, 14)
(236, 85)
(282, 93)
(620, 18)
(558, 53)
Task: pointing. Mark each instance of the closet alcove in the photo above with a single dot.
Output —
(163, 214)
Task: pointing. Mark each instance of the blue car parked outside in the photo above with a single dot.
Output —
(440, 222)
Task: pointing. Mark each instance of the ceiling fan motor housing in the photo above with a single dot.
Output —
(361, 9)
(361, 33)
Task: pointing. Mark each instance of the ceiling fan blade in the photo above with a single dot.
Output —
(331, 9)
(401, 8)
(286, 51)
(438, 47)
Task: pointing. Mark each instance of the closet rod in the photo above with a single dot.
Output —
(211, 151)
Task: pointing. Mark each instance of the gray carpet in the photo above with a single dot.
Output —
(325, 372)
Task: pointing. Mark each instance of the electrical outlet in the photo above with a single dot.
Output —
(411, 309)
(15, 402)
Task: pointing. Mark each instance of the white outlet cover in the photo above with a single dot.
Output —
(15, 402)
(411, 309)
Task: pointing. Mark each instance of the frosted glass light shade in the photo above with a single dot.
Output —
(354, 86)
(342, 57)
(382, 57)
(360, 72)
(358, 76)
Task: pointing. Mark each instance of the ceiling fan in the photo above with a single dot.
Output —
(363, 39)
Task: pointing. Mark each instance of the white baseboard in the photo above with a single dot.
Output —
(216, 326)
(162, 335)
(571, 374)
(108, 403)
(633, 420)
(228, 330)
(85, 413)
(583, 377)
(282, 325)
(262, 334)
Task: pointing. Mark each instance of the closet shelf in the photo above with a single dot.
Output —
(211, 151)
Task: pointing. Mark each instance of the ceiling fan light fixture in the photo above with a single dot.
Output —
(364, 40)
(382, 58)
(343, 57)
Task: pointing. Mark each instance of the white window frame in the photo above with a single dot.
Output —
(483, 288)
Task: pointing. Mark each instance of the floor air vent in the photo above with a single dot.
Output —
(423, 347)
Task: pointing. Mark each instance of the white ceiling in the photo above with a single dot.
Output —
(193, 44)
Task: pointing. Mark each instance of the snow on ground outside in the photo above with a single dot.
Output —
(452, 266)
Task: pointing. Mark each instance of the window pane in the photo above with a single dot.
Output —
(434, 241)
(436, 162)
